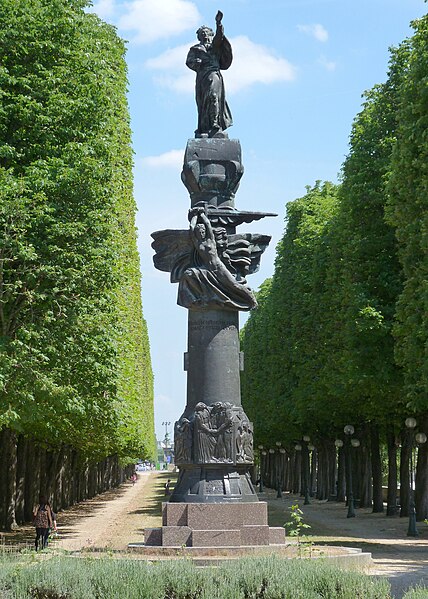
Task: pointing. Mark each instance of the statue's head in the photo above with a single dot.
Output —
(200, 231)
(205, 34)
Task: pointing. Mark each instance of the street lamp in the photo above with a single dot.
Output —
(166, 425)
(349, 431)
(420, 438)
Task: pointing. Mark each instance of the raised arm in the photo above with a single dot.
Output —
(219, 34)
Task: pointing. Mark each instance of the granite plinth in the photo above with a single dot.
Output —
(276, 535)
(173, 536)
(153, 536)
(254, 534)
(214, 525)
(216, 538)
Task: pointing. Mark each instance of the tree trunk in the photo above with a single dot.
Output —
(391, 502)
(10, 454)
(313, 480)
(332, 469)
(20, 479)
(43, 473)
(59, 480)
(50, 468)
(376, 469)
(421, 482)
(297, 472)
(323, 473)
(65, 478)
(3, 480)
(361, 456)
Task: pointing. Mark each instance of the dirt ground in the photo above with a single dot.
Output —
(118, 517)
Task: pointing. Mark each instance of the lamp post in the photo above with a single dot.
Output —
(166, 425)
(305, 446)
(420, 438)
(167, 454)
(349, 431)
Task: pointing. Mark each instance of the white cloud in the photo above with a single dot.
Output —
(329, 65)
(316, 30)
(171, 159)
(104, 8)
(156, 19)
(252, 63)
(174, 73)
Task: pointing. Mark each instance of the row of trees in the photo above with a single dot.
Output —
(75, 372)
(341, 334)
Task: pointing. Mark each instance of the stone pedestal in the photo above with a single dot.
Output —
(216, 525)
(212, 171)
(212, 360)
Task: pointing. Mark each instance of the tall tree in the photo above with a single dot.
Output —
(408, 212)
(75, 364)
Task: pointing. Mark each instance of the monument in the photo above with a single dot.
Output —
(214, 500)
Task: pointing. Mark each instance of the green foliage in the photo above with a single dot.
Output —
(294, 528)
(369, 273)
(408, 212)
(322, 339)
(296, 524)
(267, 578)
(75, 365)
(287, 339)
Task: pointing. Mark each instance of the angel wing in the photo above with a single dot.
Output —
(247, 249)
(174, 250)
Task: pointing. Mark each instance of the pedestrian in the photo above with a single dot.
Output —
(134, 478)
(167, 485)
(43, 519)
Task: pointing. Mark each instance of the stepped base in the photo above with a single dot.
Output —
(214, 525)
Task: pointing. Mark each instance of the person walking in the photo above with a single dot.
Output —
(44, 520)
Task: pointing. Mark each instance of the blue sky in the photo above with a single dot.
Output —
(294, 88)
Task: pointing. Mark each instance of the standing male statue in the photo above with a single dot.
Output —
(213, 53)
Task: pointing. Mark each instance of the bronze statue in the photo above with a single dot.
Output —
(212, 281)
(212, 54)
